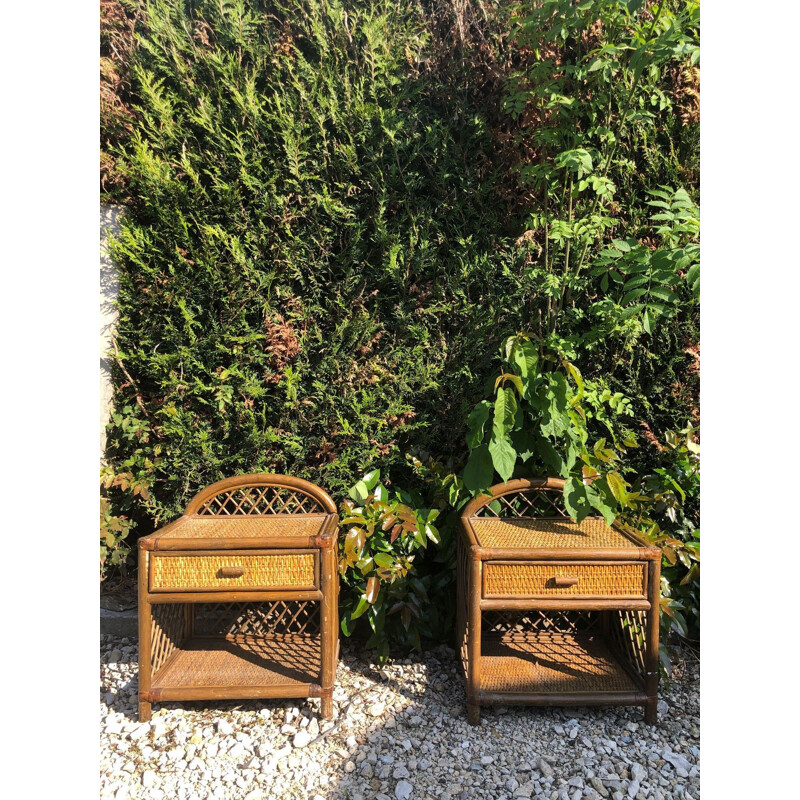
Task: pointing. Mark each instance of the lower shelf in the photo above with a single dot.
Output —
(246, 662)
(557, 665)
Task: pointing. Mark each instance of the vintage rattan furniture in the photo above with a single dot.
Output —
(238, 597)
(551, 612)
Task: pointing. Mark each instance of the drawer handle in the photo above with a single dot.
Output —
(565, 580)
(231, 572)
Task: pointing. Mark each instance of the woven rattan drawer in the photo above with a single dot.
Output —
(564, 579)
(240, 570)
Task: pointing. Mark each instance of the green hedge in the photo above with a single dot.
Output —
(320, 254)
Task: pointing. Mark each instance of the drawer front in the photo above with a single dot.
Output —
(225, 571)
(562, 579)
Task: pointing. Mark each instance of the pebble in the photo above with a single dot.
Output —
(403, 790)
(302, 738)
(139, 731)
(544, 768)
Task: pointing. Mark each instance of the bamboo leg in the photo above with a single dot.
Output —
(461, 601)
(474, 643)
(145, 624)
(329, 629)
(651, 653)
(326, 706)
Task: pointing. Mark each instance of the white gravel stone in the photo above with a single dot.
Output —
(139, 731)
(544, 768)
(403, 790)
(302, 738)
(148, 778)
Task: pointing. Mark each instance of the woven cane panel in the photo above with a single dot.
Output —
(243, 662)
(553, 665)
(518, 579)
(592, 532)
(166, 632)
(627, 634)
(246, 527)
(257, 619)
(247, 501)
(526, 503)
(510, 624)
(202, 572)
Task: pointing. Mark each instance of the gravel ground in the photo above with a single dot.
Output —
(399, 732)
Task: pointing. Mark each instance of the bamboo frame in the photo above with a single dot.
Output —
(611, 661)
(271, 650)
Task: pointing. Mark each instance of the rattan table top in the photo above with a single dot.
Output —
(548, 533)
(245, 527)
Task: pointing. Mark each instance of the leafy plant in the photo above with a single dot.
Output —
(114, 530)
(536, 425)
(383, 533)
(592, 105)
(667, 512)
(125, 491)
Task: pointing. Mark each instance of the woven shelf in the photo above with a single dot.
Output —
(207, 663)
(553, 665)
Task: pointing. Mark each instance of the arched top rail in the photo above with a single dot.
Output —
(260, 494)
(522, 497)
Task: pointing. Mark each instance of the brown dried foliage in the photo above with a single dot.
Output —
(650, 436)
(686, 93)
(282, 343)
(116, 115)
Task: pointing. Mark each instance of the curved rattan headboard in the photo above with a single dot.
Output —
(515, 498)
(260, 494)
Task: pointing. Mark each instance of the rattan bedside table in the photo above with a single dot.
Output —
(238, 597)
(551, 612)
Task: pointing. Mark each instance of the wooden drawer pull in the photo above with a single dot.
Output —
(231, 572)
(565, 580)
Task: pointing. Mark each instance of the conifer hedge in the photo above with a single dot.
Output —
(319, 255)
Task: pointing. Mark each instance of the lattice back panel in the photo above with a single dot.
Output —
(528, 503)
(167, 632)
(259, 500)
(627, 633)
(520, 625)
(257, 619)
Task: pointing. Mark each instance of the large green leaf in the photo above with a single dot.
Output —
(598, 502)
(525, 358)
(479, 470)
(505, 408)
(576, 500)
(476, 421)
(551, 457)
(361, 607)
(617, 486)
(524, 442)
(371, 478)
(503, 456)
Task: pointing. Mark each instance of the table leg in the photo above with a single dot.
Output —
(474, 643)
